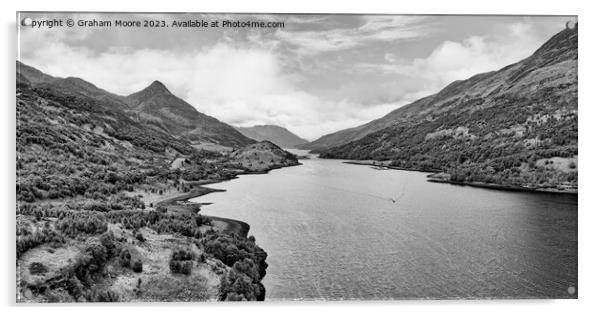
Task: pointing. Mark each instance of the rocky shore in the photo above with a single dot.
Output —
(437, 176)
(445, 179)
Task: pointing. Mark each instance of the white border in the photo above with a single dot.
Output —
(590, 208)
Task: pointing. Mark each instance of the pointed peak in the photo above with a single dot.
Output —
(156, 88)
(153, 90)
(158, 85)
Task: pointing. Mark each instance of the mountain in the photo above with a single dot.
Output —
(154, 105)
(516, 126)
(73, 86)
(275, 134)
(402, 114)
(33, 75)
(95, 184)
(421, 108)
(157, 106)
(70, 86)
(263, 156)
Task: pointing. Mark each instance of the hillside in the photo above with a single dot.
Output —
(262, 156)
(33, 75)
(275, 134)
(157, 106)
(515, 127)
(71, 87)
(351, 134)
(154, 106)
(95, 217)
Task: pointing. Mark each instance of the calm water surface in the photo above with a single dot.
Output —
(332, 231)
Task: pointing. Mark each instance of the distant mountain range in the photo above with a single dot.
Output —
(515, 127)
(154, 106)
(275, 134)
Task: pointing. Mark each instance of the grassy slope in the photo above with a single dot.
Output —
(493, 128)
(78, 166)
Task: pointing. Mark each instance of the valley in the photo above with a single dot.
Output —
(145, 197)
(102, 189)
(504, 128)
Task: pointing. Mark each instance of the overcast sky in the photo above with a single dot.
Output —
(318, 74)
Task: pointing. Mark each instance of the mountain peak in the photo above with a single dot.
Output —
(154, 89)
(157, 87)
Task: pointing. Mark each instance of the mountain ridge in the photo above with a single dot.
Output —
(273, 133)
(157, 106)
(404, 112)
(154, 106)
(95, 182)
(515, 127)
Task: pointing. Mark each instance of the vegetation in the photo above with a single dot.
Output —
(85, 166)
(37, 268)
(125, 258)
(242, 283)
(43, 236)
(486, 155)
(486, 129)
(181, 261)
(137, 265)
(83, 222)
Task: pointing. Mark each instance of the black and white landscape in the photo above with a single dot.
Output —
(340, 157)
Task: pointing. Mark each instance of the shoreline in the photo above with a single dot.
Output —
(182, 202)
(433, 172)
(503, 187)
(228, 226)
(394, 167)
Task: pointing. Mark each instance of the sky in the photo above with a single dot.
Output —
(316, 75)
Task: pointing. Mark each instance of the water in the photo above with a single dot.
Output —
(332, 231)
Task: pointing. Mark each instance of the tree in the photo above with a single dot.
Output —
(137, 266)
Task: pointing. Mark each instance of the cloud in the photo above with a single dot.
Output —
(238, 85)
(284, 77)
(458, 60)
(373, 28)
(390, 57)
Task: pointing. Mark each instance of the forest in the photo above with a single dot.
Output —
(82, 172)
(517, 126)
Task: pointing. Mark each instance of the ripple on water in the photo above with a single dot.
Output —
(331, 232)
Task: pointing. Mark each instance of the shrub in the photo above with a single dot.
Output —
(235, 284)
(140, 237)
(107, 240)
(182, 254)
(90, 264)
(99, 256)
(183, 267)
(137, 265)
(125, 258)
(248, 268)
(77, 223)
(199, 220)
(231, 248)
(166, 223)
(103, 296)
(235, 297)
(25, 243)
(181, 261)
(36, 268)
